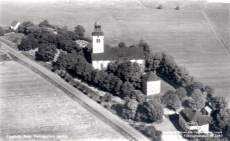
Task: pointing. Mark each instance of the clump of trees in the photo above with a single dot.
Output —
(78, 65)
(28, 43)
(46, 52)
(166, 66)
(44, 34)
(130, 108)
(24, 27)
(127, 71)
(197, 100)
(46, 24)
(171, 100)
(150, 132)
(150, 111)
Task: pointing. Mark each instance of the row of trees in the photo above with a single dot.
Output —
(77, 65)
(45, 34)
(164, 64)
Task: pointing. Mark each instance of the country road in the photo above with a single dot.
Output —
(76, 94)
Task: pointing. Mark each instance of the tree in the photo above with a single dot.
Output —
(122, 45)
(177, 8)
(46, 52)
(209, 90)
(126, 71)
(1, 31)
(150, 112)
(160, 7)
(145, 47)
(221, 119)
(199, 99)
(167, 66)
(28, 43)
(181, 93)
(171, 100)
(126, 89)
(129, 110)
(226, 131)
(150, 132)
(64, 28)
(195, 85)
(79, 30)
(46, 24)
(24, 27)
(218, 102)
(72, 35)
(153, 61)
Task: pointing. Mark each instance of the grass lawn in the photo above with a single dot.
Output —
(30, 105)
(185, 34)
(14, 37)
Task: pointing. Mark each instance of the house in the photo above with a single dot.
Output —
(14, 25)
(199, 121)
(151, 84)
(101, 56)
(206, 110)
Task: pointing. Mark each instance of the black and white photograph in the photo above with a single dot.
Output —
(114, 70)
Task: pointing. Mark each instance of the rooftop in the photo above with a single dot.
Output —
(150, 76)
(119, 54)
(190, 114)
(14, 23)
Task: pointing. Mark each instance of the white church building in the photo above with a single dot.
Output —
(101, 56)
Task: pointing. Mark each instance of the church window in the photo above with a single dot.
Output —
(98, 40)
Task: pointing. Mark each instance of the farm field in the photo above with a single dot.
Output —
(185, 34)
(32, 106)
(220, 16)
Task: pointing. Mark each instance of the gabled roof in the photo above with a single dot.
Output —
(190, 114)
(208, 109)
(14, 23)
(150, 76)
(119, 54)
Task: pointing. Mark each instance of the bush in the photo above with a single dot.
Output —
(160, 7)
(150, 132)
(177, 8)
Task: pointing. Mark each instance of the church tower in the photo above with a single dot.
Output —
(98, 39)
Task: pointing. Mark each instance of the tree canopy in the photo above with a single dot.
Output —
(80, 31)
(198, 99)
(46, 52)
(171, 100)
(129, 110)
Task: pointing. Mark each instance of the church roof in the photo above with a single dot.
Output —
(14, 23)
(150, 76)
(119, 54)
(190, 114)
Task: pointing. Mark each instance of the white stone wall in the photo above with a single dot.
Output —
(153, 87)
(98, 47)
(203, 129)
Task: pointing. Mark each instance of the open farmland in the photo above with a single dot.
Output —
(32, 106)
(220, 16)
(185, 34)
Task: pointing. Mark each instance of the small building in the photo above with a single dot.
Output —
(189, 115)
(206, 110)
(14, 25)
(151, 84)
(101, 56)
